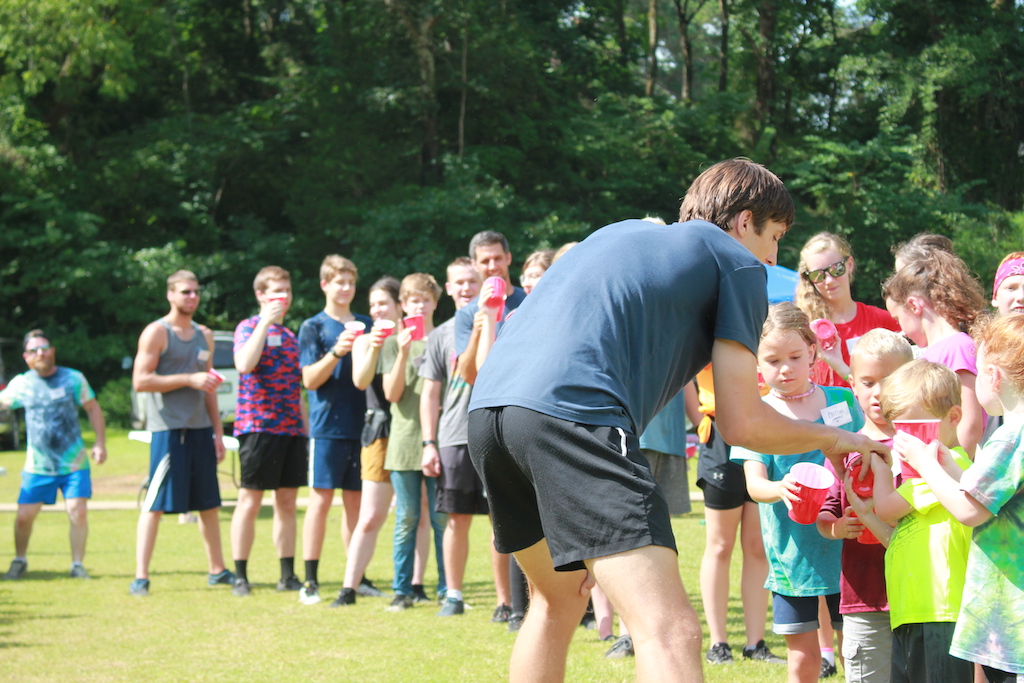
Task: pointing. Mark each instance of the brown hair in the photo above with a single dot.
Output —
(786, 317)
(942, 279)
(419, 283)
(735, 185)
(268, 273)
(387, 284)
(1000, 339)
(33, 334)
(921, 246)
(543, 258)
(807, 296)
(334, 265)
(180, 276)
(920, 382)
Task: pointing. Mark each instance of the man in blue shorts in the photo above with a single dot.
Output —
(614, 330)
(173, 365)
(55, 457)
(337, 409)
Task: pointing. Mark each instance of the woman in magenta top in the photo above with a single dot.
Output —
(826, 272)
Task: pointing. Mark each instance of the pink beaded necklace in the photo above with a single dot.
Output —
(794, 398)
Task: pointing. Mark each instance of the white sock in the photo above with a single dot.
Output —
(829, 655)
(22, 558)
(452, 593)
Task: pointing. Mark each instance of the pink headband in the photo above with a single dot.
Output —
(1008, 269)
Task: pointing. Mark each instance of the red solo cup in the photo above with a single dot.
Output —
(926, 430)
(865, 488)
(219, 377)
(387, 327)
(415, 324)
(826, 333)
(283, 298)
(355, 326)
(497, 298)
(814, 481)
(867, 538)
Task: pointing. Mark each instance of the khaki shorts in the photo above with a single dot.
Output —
(372, 462)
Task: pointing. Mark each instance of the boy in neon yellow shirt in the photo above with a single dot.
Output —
(926, 561)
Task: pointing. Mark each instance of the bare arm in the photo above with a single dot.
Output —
(692, 404)
(365, 352)
(890, 506)
(99, 426)
(315, 374)
(972, 426)
(927, 460)
(745, 420)
(764, 490)
(211, 403)
(394, 380)
(864, 509)
(144, 378)
(248, 357)
(430, 411)
(466, 364)
(488, 333)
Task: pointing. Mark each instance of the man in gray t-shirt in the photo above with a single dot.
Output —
(613, 331)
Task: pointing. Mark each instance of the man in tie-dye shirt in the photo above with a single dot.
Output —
(56, 457)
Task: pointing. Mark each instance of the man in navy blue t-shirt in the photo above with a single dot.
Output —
(614, 330)
(336, 412)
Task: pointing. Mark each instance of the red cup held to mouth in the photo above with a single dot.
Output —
(814, 481)
(925, 430)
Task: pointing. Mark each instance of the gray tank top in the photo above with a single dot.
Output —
(183, 408)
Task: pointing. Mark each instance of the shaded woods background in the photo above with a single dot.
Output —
(139, 136)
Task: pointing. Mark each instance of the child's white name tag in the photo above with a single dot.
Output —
(58, 393)
(273, 340)
(837, 415)
(204, 355)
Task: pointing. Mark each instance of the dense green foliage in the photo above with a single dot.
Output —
(139, 136)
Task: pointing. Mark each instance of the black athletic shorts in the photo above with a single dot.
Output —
(459, 489)
(273, 461)
(721, 479)
(588, 490)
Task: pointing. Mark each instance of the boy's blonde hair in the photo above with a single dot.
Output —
(268, 273)
(883, 343)
(932, 386)
(334, 265)
(1001, 339)
(180, 276)
(419, 283)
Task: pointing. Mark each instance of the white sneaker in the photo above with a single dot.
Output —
(309, 594)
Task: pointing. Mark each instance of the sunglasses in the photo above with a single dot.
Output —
(837, 269)
(190, 292)
(37, 350)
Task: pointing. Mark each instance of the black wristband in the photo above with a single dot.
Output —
(429, 442)
(334, 353)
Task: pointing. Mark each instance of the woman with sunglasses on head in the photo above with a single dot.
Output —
(826, 273)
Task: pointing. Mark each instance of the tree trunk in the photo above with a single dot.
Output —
(723, 47)
(767, 23)
(652, 47)
(686, 45)
(465, 88)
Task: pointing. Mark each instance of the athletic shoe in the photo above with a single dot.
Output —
(515, 622)
(309, 594)
(346, 597)
(720, 653)
(292, 583)
(224, 577)
(621, 648)
(589, 621)
(241, 588)
(400, 603)
(827, 669)
(760, 652)
(17, 570)
(442, 596)
(452, 607)
(419, 594)
(139, 588)
(78, 572)
(501, 614)
(368, 590)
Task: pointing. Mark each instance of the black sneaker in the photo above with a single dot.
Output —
(419, 594)
(827, 669)
(621, 648)
(368, 590)
(501, 614)
(346, 597)
(761, 653)
(17, 570)
(589, 621)
(292, 583)
(400, 603)
(720, 653)
(241, 588)
(515, 622)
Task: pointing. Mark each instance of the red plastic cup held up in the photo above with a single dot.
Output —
(219, 377)
(867, 538)
(414, 323)
(814, 481)
(826, 333)
(864, 488)
(355, 326)
(926, 430)
(387, 327)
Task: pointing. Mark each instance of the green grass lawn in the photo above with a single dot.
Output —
(56, 628)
